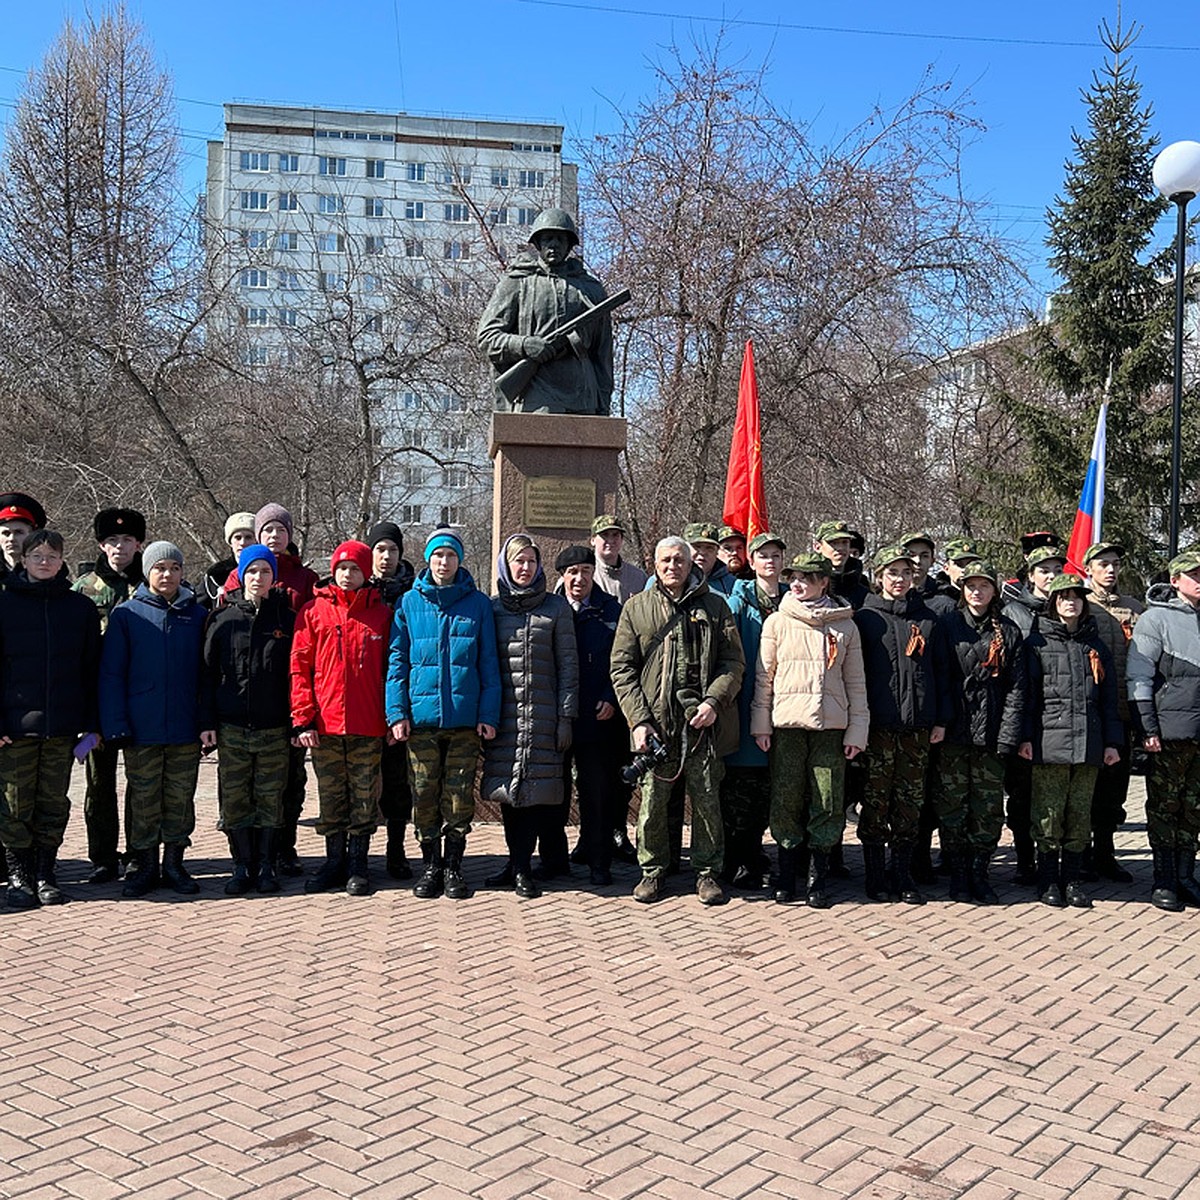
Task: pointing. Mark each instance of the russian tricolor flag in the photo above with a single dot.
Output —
(1087, 528)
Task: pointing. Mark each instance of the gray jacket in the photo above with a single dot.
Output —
(1162, 671)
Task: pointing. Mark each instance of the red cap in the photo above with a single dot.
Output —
(358, 553)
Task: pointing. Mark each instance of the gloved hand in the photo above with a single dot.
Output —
(538, 349)
(562, 737)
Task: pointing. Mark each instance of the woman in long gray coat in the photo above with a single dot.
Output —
(539, 671)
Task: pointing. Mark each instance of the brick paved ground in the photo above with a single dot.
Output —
(582, 1044)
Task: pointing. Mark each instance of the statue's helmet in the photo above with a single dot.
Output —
(554, 218)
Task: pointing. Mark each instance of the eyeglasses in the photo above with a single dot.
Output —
(44, 560)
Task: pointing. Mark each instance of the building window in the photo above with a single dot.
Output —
(373, 206)
(373, 324)
(255, 356)
(331, 281)
(416, 438)
(456, 477)
(449, 515)
(252, 160)
(255, 278)
(413, 476)
(499, 177)
(331, 204)
(414, 210)
(375, 245)
(331, 243)
(454, 439)
(459, 214)
(410, 514)
(454, 175)
(255, 316)
(375, 168)
(287, 240)
(452, 403)
(409, 401)
(414, 172)
(456, 250)
(531, 179)
(255, 239)
(289, 281)
(331, 166)
(533, 148)
(289, 163)
(497, 216)
(256, 201)
(527, 216)
(288, 202)
(287, 318)
(414, 248)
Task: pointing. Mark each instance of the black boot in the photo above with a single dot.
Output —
(429, 886)
(242, 841)
(818, 871)
(143, 879)
(749, 873)
(396, 862)
(875, 870)
(454, 885)
(359, 881)
(1188, 890)
(286, 856)
(48, 891)
(579, 855)
(1047, 878)
(21, 890)
(1166, 879)
(906, 885)
(785, 883)
(960, 888)
(837, 863)
(175, 873)
(1072, 873)
(1026, 873)
(1104, 858)
(331, 875)
(623, 849)
(981, 890)
(264, 842)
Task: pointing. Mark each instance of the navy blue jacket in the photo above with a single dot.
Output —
(595, 626)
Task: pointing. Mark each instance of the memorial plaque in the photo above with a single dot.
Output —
(559, 502)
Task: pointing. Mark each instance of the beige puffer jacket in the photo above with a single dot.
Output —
(810, 672)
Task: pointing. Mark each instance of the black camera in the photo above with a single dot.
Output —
(654, 753)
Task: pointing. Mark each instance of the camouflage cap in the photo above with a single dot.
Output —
(701, 531)
(959, 548)
(979, 568)
(890, 554)
(1068, 581)
(828, 530)
(765, 539)
(1185, 561)
(920, 536)
(1098, 548)
(728, 531)
(606, 521)
(1046, 554)
(811, 563)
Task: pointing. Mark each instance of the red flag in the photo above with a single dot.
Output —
(745, 501)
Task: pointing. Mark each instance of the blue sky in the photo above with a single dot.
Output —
(1023, 66)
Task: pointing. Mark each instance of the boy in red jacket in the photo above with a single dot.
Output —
(339, 656)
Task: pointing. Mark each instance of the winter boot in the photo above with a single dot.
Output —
(143, 879)
(242, 841)
(875, 870)
(288, 859)
(960, 888)
(1026, 873)
(1104, 860)
(906, 885)
(331, 875)
(981, 890)
(454, 885)
(264, 841)
(920, 865)
(21, 888)
(48, 891)
(396, 862)
(359, 881)
(785, 883)
(1072, 873)
(1166, 879)
(837, 863)
(818, 874)
(623, 849)
(429, 886)
(175, 873)
(1188, 889)
(1047, 878)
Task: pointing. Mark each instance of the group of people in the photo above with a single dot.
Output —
(772, 693)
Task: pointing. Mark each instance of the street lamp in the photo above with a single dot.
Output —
(1177, 176)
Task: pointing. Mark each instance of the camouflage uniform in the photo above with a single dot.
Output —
(442, 765)
(1062, 806)
(1173, 796)
(702, 773)
(35, 774)
(897, 761)
(807, 788)
(348, 784)
(160, 793)
(252, 769)
(970, 799)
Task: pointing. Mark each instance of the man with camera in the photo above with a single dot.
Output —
(677, 666)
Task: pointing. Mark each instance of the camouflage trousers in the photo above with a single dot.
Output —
(1173, 796)
(348, 784)
(745, 801)
(160, 794)
(252, 768)
(100, 807)
(443, 765)
(970, 798)
(1061, 806)
(702, 774)
(896, 766)
(35, 774)
(808, 772)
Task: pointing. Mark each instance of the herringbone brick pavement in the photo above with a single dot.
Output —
(324, 1046)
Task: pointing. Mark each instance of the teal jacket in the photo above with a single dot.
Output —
(744, 603)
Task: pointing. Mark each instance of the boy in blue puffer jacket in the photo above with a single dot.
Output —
(443, 696)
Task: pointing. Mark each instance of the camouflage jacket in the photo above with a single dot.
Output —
(105, 588)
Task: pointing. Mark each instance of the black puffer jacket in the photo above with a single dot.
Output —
(246, 674)
(49, 658)
(850, 584)
(906, 661)
(1163, 668)
(539, 675)
(1071, 714)
(988, 696)
(1023, 609)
